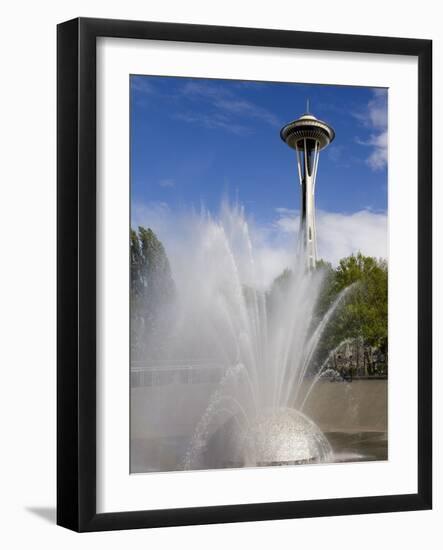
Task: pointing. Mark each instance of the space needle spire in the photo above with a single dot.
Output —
(308, 136)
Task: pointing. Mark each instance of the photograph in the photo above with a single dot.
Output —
(258, 246)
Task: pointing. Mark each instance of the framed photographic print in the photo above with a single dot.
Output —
(244, 274)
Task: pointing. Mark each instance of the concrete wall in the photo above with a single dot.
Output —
(361, 405)
(174, 410)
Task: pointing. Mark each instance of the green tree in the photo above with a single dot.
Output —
(364, 311)
(152, 292)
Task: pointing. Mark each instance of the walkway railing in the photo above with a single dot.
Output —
(164, 373)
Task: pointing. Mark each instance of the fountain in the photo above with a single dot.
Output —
(265, 339)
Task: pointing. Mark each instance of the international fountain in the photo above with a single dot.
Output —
(267, 338)
(264, 339)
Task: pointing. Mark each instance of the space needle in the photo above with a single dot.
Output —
(308, 136)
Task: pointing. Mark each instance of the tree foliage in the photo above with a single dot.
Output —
(364, 313)
(152, 291)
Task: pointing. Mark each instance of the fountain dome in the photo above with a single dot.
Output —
(276, 437)
(285, 436)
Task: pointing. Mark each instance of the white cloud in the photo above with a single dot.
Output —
(271, 262)
(228, 107)
(182, 232)
(214, 120)
(375, 117)
(142, 84)
(339, 235)
(168, 182)
(156, 215)
(273, 244)
(379, 156)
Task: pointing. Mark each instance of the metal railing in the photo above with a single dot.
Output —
(165, 373)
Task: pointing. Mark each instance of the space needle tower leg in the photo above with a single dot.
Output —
(307, 159)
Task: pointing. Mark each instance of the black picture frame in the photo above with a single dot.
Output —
(76, 280)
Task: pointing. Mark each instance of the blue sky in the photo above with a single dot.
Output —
(195, 141)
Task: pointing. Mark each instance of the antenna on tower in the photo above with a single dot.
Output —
(307, 105)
